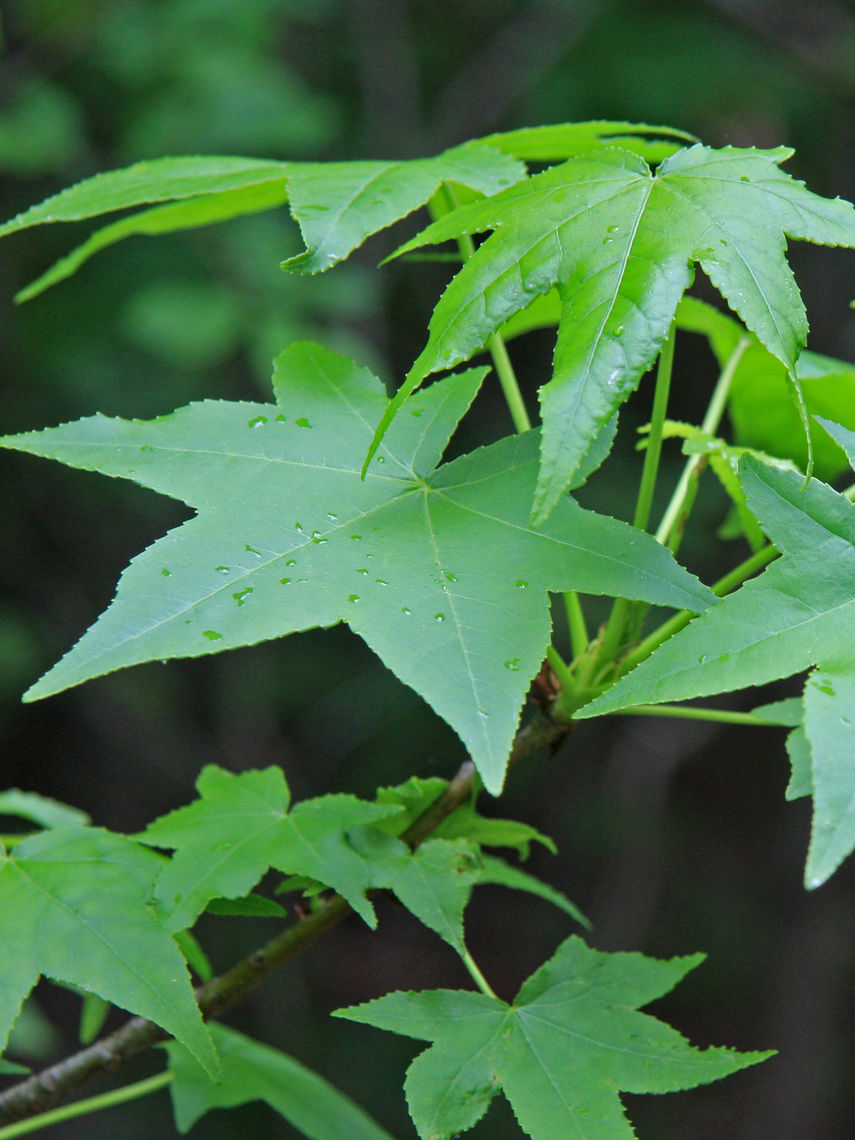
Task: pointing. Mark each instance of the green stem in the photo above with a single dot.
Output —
(495, 344)
(622, 609)
(710, 424)
(84, 1107)
(688, 712)
(479, 979)
(560, 669)
(674, 624)
(576, 621)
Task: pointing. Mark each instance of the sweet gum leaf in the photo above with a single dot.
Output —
(620, 241)
(793, 616)
(288, 536)
(75, 904)
(252, 1071)
(561, 1052)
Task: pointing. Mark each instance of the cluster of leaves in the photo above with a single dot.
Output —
(332, 504)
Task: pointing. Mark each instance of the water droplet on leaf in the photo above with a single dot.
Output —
(257, 421)
(303, 422)
(513, 665)
(439, 617)
(241, 596)
(521, 584)
(212, 635)
(166, 573)
(251, 550)
(222, 569)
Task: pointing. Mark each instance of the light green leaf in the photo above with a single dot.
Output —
(185, 214)
(160, 180)
(801, 777)
(556, 141)
(760, 399)
(248, 906)
(240, 826)
(288, 536)
(75, 906)
(619, 242)
(794, 615)
(561, 1052)
(339, 204)
(502, 874)
(40, 809)
(252, 1071)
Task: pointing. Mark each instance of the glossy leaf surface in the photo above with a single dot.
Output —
(619, 242)
(288, 536)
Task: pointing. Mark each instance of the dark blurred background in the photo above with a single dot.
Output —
(673, 837)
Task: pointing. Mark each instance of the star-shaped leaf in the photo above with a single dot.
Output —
(619, 242)
(799, 612)
(561, 1052)
(438, 570)
(76, 908)
(252, 1071)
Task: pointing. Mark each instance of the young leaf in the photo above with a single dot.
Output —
(619, 241)
(240, 826)
(252, 1071)
(561, 1051)
(288, 536)
(75, 906)
(794, 615)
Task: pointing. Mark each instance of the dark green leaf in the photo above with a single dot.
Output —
(75, 906)
(252, 1071)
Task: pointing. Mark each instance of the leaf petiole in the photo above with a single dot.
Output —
(622, 609)
(669, 532)
(84, 1107)
(689, 712)
(478, 978)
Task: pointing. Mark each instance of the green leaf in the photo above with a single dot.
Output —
(502, 874)
(40, 809)
(794, 615)
(248, 906)
(760, 400)
(252, 1071)
(619, 242)
(561, 1052)
(556, 141)
(288, 536)
(75, 906)
(193, 212)
(434, 882)
(240, 826)
(339, 204)
(161, 180)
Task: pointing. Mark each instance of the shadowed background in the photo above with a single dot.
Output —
(672, 837)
